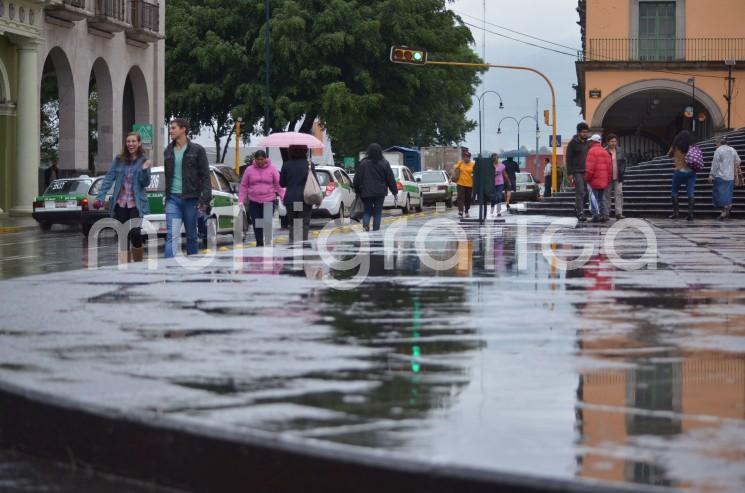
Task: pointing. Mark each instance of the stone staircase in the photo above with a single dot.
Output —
(646, 188)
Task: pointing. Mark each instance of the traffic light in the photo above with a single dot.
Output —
(547, 117)
(412, 56)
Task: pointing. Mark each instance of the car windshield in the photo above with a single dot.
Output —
(67, 187)
(524, 178)
(432, 177)
(324, 177)
(229, 174)
(157, 183)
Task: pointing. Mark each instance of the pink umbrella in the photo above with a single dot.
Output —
(287, 139)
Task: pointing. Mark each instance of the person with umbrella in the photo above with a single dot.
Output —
(294, 176)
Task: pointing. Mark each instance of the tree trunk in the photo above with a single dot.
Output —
(307, 126)
(227, 144)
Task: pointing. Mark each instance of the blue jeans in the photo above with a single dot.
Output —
(687, 177)
(497, 197)
(181, 211)
(374, 209)
(599, 194)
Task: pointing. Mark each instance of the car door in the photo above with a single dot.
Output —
(412, 187)
(222, 201)
(345, 186)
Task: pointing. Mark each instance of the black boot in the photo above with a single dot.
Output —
(676, 209)
(691, 207)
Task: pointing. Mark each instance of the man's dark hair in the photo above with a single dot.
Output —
(259, 153)
(181, 122)
(548, 159)
(610, 137)
(298, 152)
(582, 126)
(375, 152)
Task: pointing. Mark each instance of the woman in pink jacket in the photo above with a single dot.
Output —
(259, 188)
(598, 174)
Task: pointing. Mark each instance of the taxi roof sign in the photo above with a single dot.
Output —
(407, 55)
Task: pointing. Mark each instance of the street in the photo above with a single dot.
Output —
(411, 357)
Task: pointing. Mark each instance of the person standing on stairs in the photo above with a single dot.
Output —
(619, 170)
(683, 174)
(725, 168)
(576, 157)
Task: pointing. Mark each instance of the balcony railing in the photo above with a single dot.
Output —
(664, 50)
(145, 15)
(116, 10)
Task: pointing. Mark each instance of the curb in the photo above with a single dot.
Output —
(162, 450)
(15, 229)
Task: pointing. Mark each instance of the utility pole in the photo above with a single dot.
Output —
(730, 83)
(483, 38)
(267, 64)
(537, 136)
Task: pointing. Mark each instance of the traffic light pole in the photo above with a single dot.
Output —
(554, 175)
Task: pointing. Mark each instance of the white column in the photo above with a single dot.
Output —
(28, 129)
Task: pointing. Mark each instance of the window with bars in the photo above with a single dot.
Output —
(657, 31)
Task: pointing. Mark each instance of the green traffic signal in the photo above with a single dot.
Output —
(411, 56)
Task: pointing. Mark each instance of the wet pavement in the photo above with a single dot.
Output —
(500, 360)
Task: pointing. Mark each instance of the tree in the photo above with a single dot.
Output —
(338, 53)
(49, 135)
(329, 62)
(207, 62)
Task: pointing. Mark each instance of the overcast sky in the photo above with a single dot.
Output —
(554, 20)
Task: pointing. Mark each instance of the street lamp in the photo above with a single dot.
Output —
(518, 122)
(692, 81)
(481, 114)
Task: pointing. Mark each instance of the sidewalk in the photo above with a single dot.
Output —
(10, 224)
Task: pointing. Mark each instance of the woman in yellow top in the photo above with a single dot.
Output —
(465, 183)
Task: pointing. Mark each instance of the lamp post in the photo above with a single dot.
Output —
(518, 122)
(692, 81)
(481, 115)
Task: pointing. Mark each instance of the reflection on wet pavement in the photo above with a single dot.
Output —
(501, 361)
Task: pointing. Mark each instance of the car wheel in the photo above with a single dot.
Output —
(45, 226)
(407, 206)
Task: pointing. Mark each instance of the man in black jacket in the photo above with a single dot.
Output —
(372, 181)
(576, 156)
(188, 187)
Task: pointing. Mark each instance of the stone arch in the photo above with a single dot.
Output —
(105, 115)
(135, 100)
(57, 65)
(702, 98)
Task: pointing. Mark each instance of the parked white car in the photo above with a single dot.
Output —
(409, 193)
(223, 206)
(338, 193)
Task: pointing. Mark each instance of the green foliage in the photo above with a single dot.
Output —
(329, 61)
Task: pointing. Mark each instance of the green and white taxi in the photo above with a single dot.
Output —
(409, 193)
(338, 192)
(224, 203)
(63, 202)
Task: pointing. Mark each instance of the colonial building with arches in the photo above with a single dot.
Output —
(650, 68)
(94, 68)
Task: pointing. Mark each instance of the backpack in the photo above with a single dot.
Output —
(695, 158)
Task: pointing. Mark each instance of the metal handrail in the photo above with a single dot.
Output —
(663, 49)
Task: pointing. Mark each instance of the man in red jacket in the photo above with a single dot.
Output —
(598, 174)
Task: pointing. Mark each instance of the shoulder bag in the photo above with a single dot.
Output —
(312, 191)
